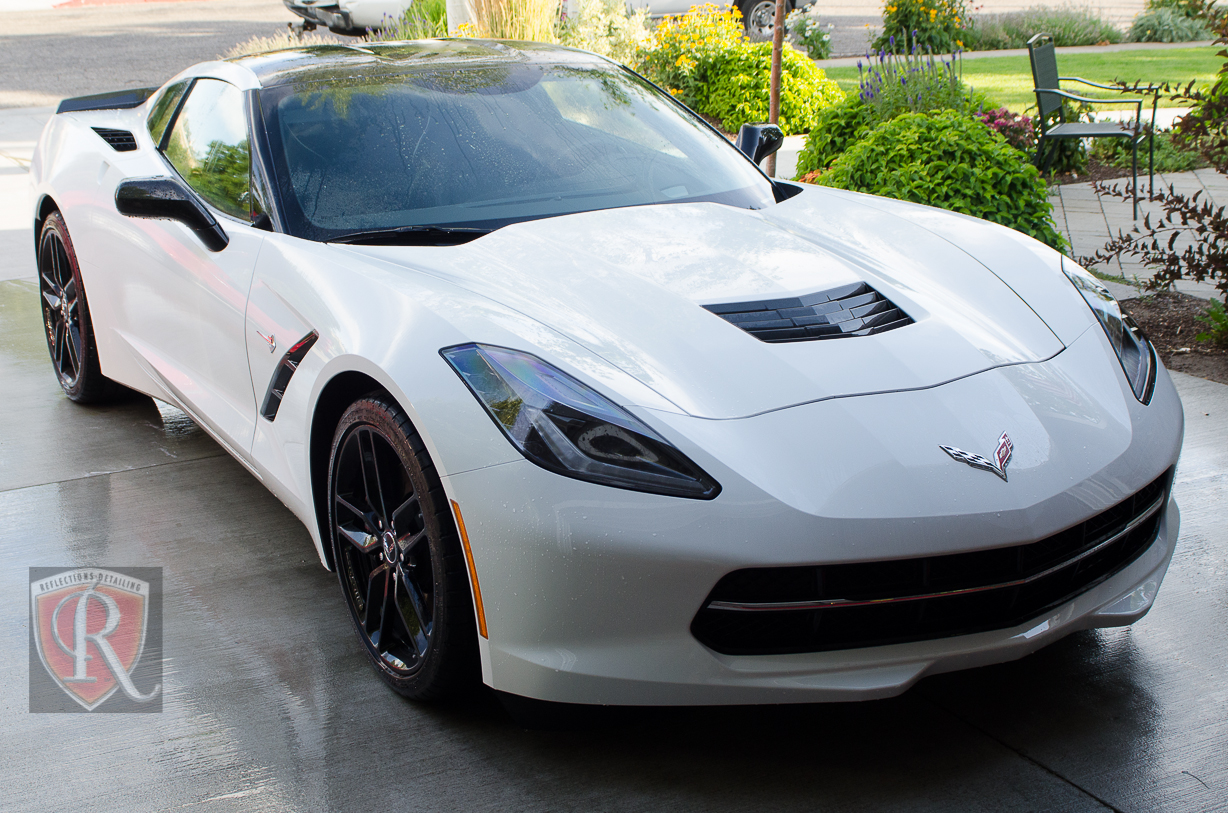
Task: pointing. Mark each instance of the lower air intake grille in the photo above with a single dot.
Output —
(770, 611)
(851, 310)
(121, 140)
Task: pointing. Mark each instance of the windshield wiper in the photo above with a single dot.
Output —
(412, 236)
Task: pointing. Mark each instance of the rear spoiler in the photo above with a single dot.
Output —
(116, 100)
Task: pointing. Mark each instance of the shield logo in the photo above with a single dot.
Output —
(89, 630)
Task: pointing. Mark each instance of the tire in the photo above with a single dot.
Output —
(66, 318)
(387, 505)
(759, 18)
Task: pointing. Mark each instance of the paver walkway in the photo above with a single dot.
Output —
(1089, 221)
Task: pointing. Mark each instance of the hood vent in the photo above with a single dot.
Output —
(850, 310)
(120, 140)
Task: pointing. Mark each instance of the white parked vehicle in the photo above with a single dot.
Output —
(573, 397)
(353, 17)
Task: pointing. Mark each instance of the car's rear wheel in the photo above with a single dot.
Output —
(397, 554)
(66, 318)
(759, 17)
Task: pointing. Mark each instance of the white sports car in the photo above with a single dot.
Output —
(574, 397)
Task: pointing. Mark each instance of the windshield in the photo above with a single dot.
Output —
(481, 147)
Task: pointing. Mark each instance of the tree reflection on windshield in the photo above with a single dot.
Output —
(489, 144)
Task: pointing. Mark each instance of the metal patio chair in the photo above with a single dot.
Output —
(1049, 98)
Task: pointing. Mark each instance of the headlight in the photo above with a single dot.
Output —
(1133, 350)
(566, 427)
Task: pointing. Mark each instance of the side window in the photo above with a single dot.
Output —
(208, 146)
(162, 108)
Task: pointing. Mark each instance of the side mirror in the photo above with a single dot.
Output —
(167, 199)
(758, 141)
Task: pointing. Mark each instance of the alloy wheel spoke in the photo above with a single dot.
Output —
(408, 542)
(365, 542)
(53, 250)
(381, 638)
(411, 612)
(50, 297)
(58, 339)
(370, 473)
(377, 589)
(403, 507)
(64, 265)
(367, 517)
(73, 340)
(70, 291)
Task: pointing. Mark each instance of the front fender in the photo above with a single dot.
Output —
(388, 323)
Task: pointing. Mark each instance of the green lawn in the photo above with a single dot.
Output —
(1007, 80)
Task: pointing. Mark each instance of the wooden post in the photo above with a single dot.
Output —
(778, 41)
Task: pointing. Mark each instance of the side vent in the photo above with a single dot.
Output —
(281, 377)
(120, 140)
(851, 310)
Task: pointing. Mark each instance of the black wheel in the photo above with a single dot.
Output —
(66, 318)
(759, 17)
(397, 554)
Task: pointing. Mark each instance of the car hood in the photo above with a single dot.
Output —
(629, 285)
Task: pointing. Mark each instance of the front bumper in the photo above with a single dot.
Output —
(590, 592)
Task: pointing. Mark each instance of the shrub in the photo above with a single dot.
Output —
(683, 48)
(703, 58)
(1167, 25)
(422, 20)
(1211, 13)
(934, 26)
(1016, 129)
(1217, 319)
(531, 20)
(1069, 25)
(806, 32)
(606, 27)
(950, 160)
(835, 130)
(892, 84)
(737, 91)
(1169, 157)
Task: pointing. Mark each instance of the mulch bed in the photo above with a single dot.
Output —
(1168, 320)
(1097, 171)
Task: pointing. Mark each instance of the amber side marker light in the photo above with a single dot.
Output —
(473, 571)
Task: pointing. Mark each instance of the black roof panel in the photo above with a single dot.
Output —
(323, 63)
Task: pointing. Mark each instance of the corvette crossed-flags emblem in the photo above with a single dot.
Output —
(1002, 457)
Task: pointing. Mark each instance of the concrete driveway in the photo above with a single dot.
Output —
(270, 705)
